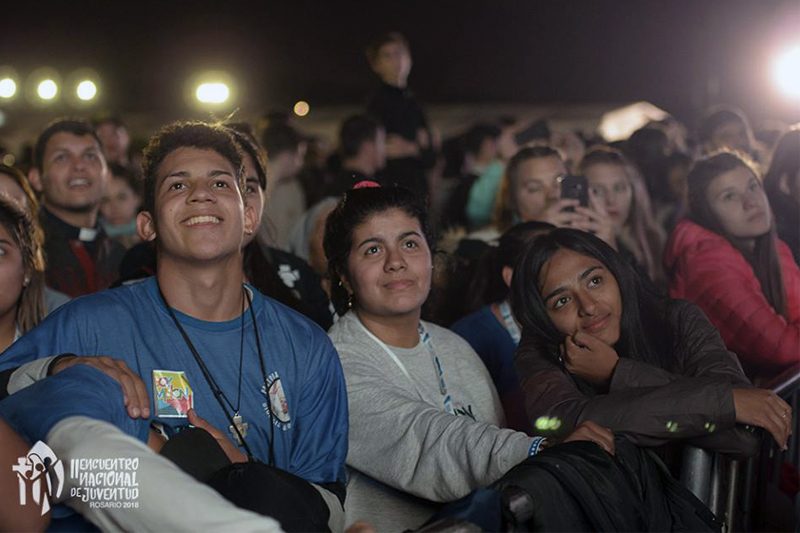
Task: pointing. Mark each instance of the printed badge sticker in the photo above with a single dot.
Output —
(173, 395)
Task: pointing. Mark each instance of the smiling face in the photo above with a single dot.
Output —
(389, 266)
(73, 176)
(738, 201)
(581, 295)
(611, 186)
(536, 186)
(199, 211)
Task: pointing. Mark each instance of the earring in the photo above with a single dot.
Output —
(349, 294)
(26, 281)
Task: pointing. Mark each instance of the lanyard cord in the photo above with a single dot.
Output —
(212, 383)
(509, 322)
(447, 401)
(262, 364)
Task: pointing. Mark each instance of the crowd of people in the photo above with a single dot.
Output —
(498, 305)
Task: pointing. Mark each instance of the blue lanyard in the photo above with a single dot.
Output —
(447, 400)
(509, 322)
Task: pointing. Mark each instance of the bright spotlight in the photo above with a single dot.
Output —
(47, 89)
(301, 108)
(212, 93)
(786, 71)
(86, 90)
(8, 88)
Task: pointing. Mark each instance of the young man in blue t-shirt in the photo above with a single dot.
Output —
(195, 340)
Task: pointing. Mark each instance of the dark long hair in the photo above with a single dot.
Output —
(487, 285)
(355, 207)
(764, 256)
(645, 333)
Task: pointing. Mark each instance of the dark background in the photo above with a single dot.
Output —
(680, 55)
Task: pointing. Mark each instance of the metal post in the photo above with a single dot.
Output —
(696, 472)
(732, 496)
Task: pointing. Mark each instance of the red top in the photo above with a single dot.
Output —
(706, 269)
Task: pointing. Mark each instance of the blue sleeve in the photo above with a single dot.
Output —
(320, 450)
(58, 333)
(79, 390)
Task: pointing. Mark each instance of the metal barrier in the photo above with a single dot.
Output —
(745, 495)
(773, 509)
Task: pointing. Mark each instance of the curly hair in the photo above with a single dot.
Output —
(201, 135)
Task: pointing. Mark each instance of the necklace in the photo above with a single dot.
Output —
(238, 427)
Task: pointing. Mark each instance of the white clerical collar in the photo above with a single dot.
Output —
(87, 234)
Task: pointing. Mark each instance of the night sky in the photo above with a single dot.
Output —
(679, 54)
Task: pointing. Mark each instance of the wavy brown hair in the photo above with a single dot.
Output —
(20, 227)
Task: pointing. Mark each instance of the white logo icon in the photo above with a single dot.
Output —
(43, 472)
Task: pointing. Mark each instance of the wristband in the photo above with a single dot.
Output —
(536, 446)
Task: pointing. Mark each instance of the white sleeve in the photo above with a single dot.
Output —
(168, 498)
(29, 373)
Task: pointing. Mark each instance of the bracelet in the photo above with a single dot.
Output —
(536, 446)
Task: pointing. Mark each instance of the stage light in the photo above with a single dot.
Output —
(786, 72)
(8, 88)
(213, 92)
(47, 89)
(86, 90)
(301, 108)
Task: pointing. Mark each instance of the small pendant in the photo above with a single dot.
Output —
(241, 425)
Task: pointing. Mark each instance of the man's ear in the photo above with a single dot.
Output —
(507, 274)
(35, 177)
(146, 226)
(250, 219)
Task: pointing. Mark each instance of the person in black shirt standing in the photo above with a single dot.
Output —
(409, 144)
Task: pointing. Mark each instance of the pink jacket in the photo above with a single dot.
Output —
(706, 269)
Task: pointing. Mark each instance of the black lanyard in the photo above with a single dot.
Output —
(212, 383)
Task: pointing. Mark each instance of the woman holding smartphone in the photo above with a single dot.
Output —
(532, 189)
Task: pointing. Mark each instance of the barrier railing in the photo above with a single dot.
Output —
(747, 495)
